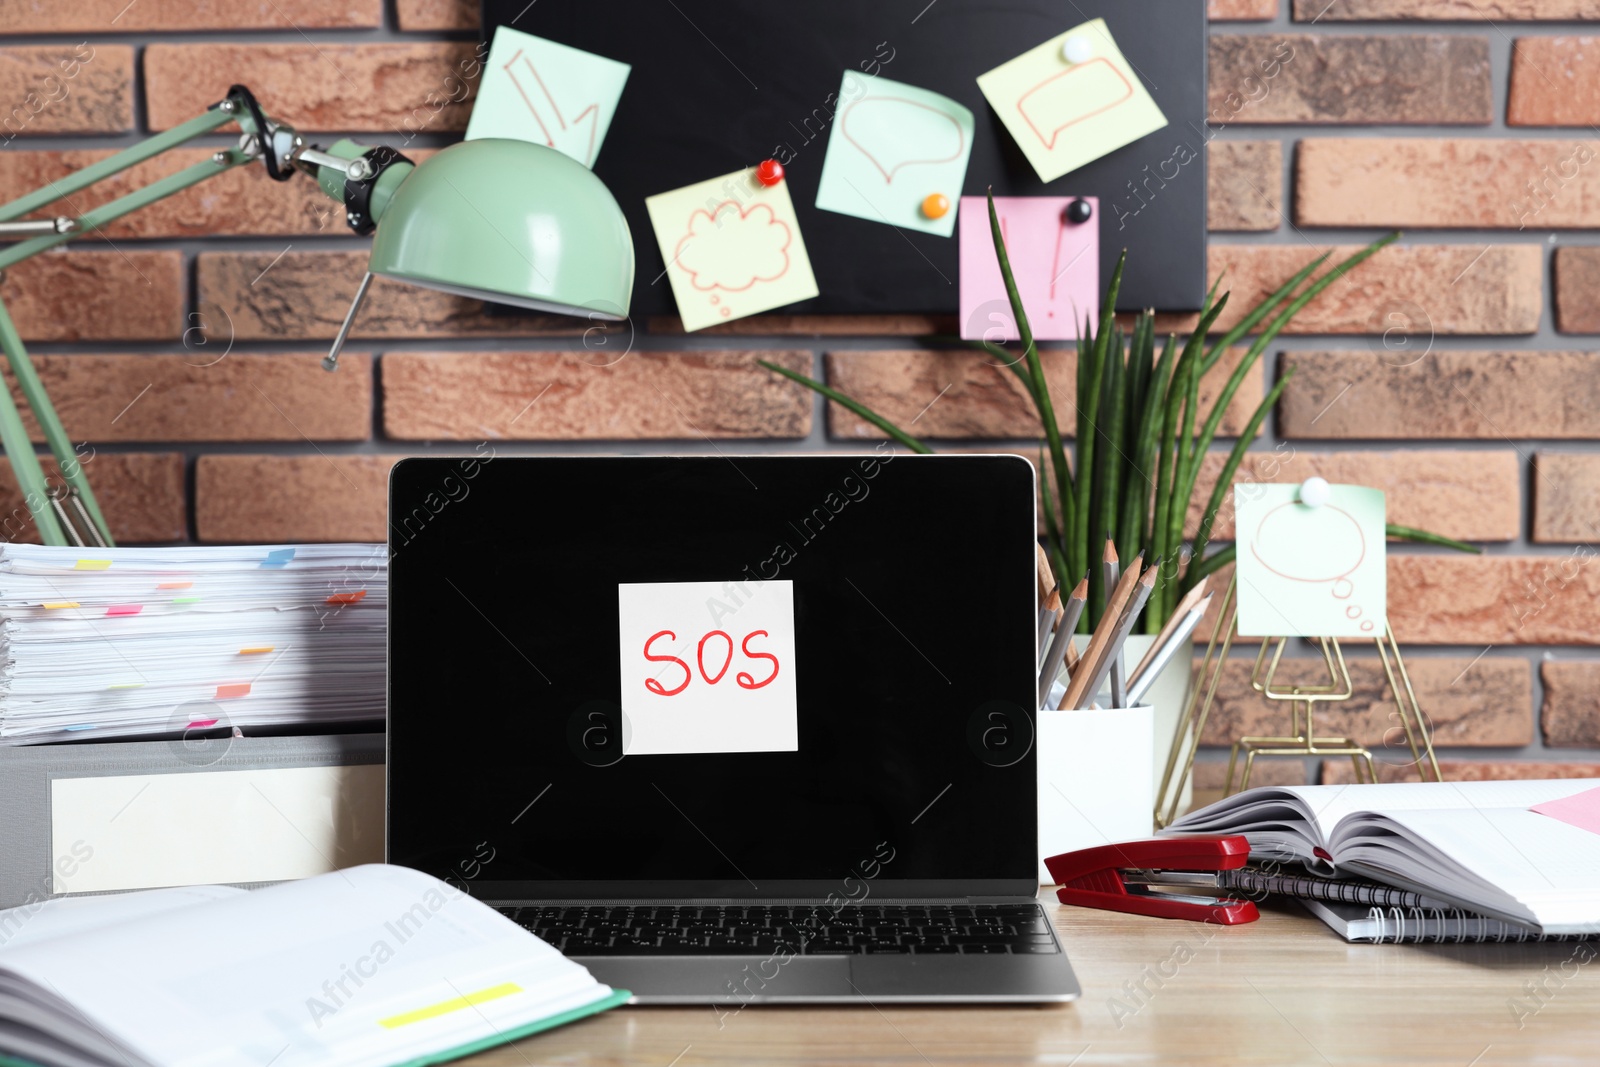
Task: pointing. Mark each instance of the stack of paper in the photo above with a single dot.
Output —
(159, 641)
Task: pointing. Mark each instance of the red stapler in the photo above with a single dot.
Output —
(1150, 878)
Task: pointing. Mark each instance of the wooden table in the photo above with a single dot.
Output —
(1283, 990)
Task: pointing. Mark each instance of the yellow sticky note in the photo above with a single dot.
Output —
(732, 248)
(1071, 100)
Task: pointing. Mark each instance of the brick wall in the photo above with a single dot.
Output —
(1457, 371)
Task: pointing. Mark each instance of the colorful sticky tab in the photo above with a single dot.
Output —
(92, 565)
(1067, 106)
(346, 598)
(124, 609)
(278, 557)
(1308, 571)
(547, 93)
(51, 605)
(175, 585)
(255, 650)
(236, 689)
(202, 723)
(893, 148)
(185, 600)
(127, 685)
(1056, 265)
(732, 248)
(1580, 809)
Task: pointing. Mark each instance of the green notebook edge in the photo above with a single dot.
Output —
(617, 998)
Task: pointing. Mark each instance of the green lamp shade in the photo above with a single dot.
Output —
(511, 222)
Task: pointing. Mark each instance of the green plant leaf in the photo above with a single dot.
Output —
(1426, 537)
(1041, 388)
(852, 405)
(1230, 468)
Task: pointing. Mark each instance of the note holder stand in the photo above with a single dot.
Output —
(1302, 739)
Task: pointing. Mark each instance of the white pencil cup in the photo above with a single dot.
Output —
(1096, 779)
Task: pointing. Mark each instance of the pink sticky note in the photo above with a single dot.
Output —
(1581, 810)
(1056, 264)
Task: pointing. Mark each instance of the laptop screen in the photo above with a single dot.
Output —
(718, 676)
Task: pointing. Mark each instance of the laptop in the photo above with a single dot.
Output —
(729, 729)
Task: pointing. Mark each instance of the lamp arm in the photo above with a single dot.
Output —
(346, 171)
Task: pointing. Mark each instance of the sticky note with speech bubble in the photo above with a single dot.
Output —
(892, 147)
(547, 93)
(1064, 112)
(1310, 571)
(732, 248)
(1056, 264)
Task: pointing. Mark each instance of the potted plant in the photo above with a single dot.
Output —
(1141, 435)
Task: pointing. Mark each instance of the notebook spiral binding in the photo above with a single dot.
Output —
(1448, 925)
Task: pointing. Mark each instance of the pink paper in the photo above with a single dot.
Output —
(1581, 810)
(1056, 264)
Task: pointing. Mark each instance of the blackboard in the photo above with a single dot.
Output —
(718, 85)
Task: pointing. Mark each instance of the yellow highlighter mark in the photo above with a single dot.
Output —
(445, 1007)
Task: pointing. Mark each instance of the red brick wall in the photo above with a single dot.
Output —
(1457, 371)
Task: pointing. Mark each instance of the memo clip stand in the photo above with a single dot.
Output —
(1302, 739)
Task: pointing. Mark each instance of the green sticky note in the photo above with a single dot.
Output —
(1071, 100)
(893, 146)
(732, 248)
(547, 93)
(1310, 571)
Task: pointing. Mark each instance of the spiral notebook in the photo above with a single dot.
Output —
(1374, 924)
(1521, 852)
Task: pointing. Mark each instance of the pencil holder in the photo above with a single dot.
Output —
(1096, 778)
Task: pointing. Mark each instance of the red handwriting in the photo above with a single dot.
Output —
(743, 679)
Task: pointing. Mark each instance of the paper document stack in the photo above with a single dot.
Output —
(139, 642)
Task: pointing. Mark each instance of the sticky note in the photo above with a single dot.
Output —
(1581, 810)
(92, 565)
(1064, 112)
(233, 689)
(278, 557)
(892, 147)
(732, 248)
(50, 605)
(346, 598)
(124, 609)
(1310, 572)
(1056, 264)
(547, 93)
(708, 667)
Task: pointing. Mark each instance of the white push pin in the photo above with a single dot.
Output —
(1077, 50)
(1315, 492)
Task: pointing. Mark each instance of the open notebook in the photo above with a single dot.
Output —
(1473, 844)
(373, 966)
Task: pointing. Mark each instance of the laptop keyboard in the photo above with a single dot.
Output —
(741, 930)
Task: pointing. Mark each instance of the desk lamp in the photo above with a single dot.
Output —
(501, 220)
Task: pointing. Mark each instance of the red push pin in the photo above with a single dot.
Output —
(769, 173)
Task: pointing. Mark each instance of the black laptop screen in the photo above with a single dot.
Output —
(718, 674)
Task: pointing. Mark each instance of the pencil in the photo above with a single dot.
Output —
(1062, 640)
(1133, 603)
(1112, 574)
(1046, 576)
(1141, 685)
(1189, 600)
(1103, 635)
